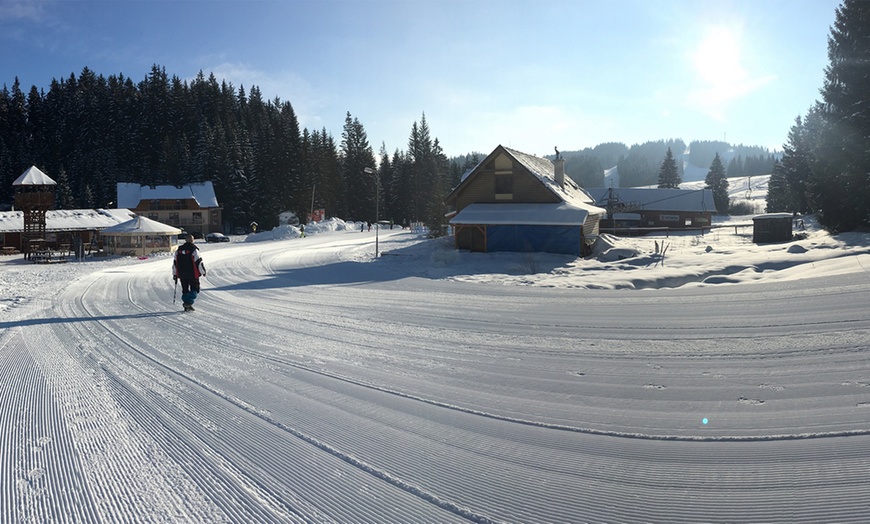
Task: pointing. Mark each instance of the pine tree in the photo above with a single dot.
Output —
(401, 187)
(779, 199)
(718, 184)
(360, 188)
(669, 176)
(795, 168)
(436, 210)
(841, 175)
(385, 175)
(63, 192)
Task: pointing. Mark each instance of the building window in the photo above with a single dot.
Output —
(153, 216)
(504, 185)
(173, 219)
(197, 218)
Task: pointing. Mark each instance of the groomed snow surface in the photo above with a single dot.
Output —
(723, 382)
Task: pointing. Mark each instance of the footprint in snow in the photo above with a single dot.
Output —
(35, 474)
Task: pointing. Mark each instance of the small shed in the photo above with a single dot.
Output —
(772, 228)
(140, 237)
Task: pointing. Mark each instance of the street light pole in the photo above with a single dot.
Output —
(371, 171)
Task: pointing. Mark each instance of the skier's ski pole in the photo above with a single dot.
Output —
(175, 291)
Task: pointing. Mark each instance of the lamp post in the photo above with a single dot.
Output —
(372, 172)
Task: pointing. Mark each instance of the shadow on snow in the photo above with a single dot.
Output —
(66, 320)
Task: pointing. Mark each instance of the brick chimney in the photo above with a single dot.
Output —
(559, 174)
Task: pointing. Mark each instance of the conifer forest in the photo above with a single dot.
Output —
(89, 132)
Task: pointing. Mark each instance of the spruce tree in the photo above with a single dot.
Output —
(841, 181)
(796, 170)
(436, 210)
(669, 176)
(779, 197)
(356, 154)
(718, 184)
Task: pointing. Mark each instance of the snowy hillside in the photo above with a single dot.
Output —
(751, 191)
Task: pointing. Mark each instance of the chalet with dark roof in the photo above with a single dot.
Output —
(513, 201)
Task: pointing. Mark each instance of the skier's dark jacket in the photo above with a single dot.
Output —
(188, 264)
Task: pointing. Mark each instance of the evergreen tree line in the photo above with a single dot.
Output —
(89, 132)
(826, 160)
(640, 164)
(753, 165)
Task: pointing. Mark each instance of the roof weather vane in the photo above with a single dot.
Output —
(557, 151)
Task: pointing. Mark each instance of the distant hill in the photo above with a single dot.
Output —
(615, 164)
(747, 192)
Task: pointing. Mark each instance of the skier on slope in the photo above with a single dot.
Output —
(188, 267)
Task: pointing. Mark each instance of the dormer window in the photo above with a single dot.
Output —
(504, 186)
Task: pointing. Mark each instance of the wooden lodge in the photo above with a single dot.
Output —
(513, 201)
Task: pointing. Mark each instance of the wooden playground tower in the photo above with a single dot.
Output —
(34, 195)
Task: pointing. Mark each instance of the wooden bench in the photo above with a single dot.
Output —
(47, 257)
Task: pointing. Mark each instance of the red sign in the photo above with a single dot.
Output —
(317, 215)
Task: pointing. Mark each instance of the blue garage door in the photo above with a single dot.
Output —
(549, 239)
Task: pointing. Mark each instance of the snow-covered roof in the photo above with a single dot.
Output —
(772, 216)
(34, 177)
(544, 170)
(67, 219)
(653, 199)
(129, 195)
(562, 214)
(141, 226)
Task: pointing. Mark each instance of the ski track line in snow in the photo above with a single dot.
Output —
(591, 431)
(33, 444)
(257, 504)
(100, 445)
(713, 438)
(803, 435)
(406, 485)
(382, 475)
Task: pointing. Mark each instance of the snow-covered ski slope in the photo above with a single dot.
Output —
(316, 384)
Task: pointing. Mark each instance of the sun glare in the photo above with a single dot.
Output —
(717, 61)
(717, 57)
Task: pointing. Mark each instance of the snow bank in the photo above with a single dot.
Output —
(286, 232)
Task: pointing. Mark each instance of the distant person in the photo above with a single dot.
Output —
(188, 267)
(302, 230)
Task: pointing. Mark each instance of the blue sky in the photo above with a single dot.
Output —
(530, 75)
